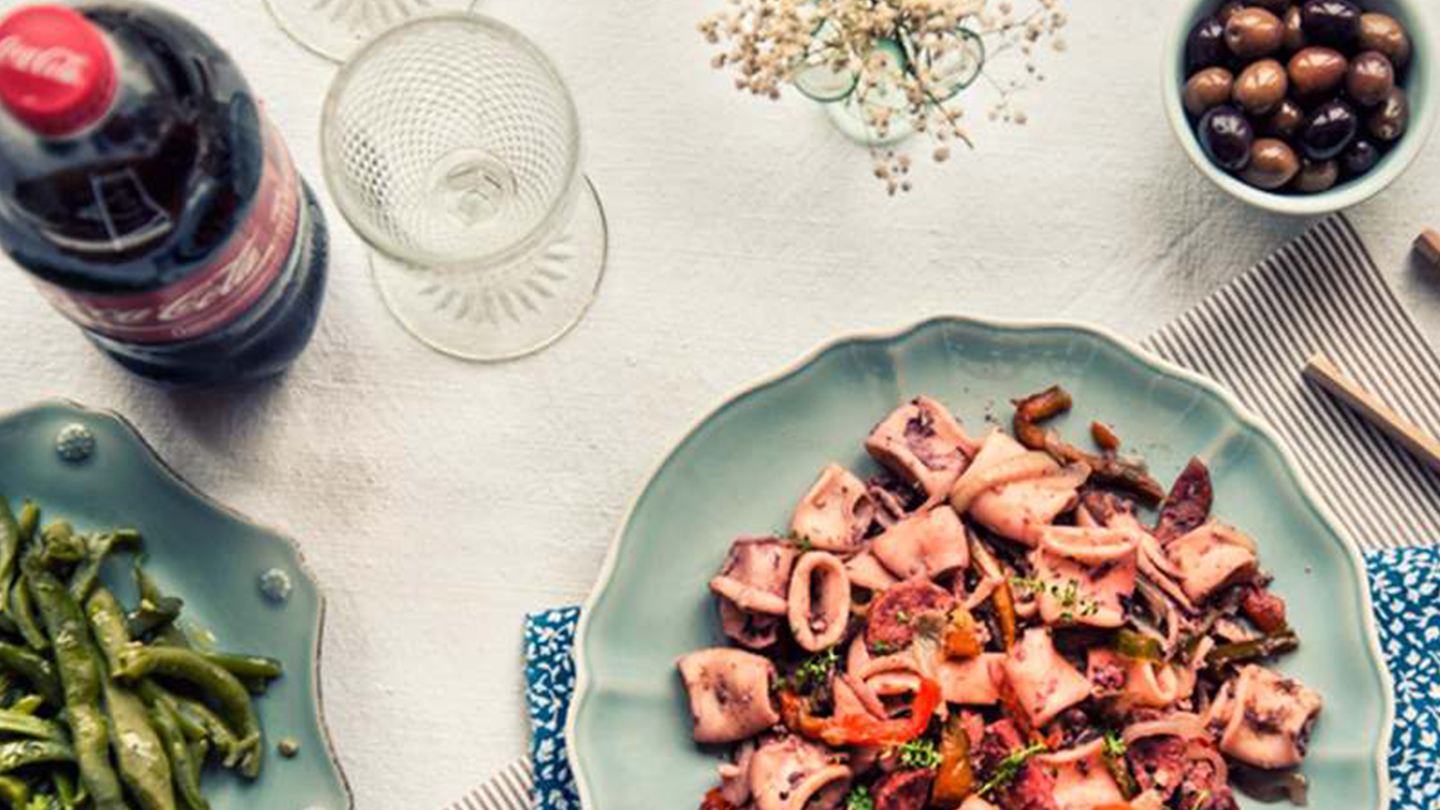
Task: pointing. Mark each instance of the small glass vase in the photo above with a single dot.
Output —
(869, 105)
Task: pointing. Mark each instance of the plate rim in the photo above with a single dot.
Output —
(168, 472)
(584, 681)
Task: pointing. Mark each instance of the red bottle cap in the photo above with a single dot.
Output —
(57, 74)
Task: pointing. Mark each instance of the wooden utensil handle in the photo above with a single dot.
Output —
(1320, 371)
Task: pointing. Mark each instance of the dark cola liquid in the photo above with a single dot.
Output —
(173, 230)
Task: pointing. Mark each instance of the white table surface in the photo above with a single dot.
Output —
(439, 501)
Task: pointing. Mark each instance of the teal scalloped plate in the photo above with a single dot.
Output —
(212, 558)
(742, 468)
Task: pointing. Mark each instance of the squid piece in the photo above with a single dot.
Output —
(1264, 719)
(924, 444)
(974, 681)
(788, 773)
(1014, 492)
(735, 776)
(1093, 571)
(1045, 684)
(976, 803)
(1210, 558)
(729, 693)
(752, 587)
(932, 544)
(756, 574)
(835, 514)
(1082, 781)
(866, 571)
(1136, 682)
(819, 605)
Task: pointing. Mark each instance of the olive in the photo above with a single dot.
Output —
(1381, 32)
(1272, 164)
(1331, 22)
(1276, 7)
(1285, 121)
(1229, 10)
(1360, 158)
(1317, 71)
(1206, 46)
(1253, 33)
(1294, 38)
(1391, 118)
(1370, 78)
(1316, 176)
(1261, 87)
(1329, 129)
(1206, 89)
(1226, 136)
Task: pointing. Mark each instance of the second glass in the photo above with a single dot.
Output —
(452, 145)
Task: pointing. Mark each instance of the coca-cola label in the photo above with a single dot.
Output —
(209, 299)
(57, 63)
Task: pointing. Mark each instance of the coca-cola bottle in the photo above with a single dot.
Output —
(156, 206)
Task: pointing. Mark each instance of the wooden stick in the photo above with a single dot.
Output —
(1320, 371)
(1428, 245)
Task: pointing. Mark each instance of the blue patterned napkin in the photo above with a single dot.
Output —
(1404, 583)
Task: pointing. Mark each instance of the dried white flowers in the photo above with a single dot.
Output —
(897, 65)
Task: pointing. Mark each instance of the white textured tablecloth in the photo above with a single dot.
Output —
(438, 501)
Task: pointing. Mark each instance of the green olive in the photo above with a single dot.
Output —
(1317, 71)
(1261, 87)
(1383, 33)
(1208, 88)
(1316, 176)
(1272, 164)
(1254, 33)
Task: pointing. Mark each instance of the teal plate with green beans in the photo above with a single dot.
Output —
(742, 468)
(193, 581)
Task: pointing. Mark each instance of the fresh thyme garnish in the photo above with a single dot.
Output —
(859, 799)
(1115, 744)
(902, 616)
(1066, 593)
(881, 647)
(813, 672)
(919, 753)
(1010, 767)
(1201, 800)
(800, 541)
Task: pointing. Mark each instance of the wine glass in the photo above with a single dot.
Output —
(452, 146)
(335, 29)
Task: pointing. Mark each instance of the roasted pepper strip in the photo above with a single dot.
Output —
(1034, 409)
(1266, 646)
(1138, 646)
(962, 636)
(862, 729)
(955, 779)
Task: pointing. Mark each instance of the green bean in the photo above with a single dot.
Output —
(14, 793)
(23, 612)
(97, 549)
(1281, 641)
(65, 791)
(61, 545)
(16, 755)
(151, 617)
(28, 523)
(107, 622)
(28, 704)
(144, 764)
(38, 671)
(247, 666)
(9, 544)
(182, 763)
(78, 663)
(26, 725)
(222, 687)
(171, 635)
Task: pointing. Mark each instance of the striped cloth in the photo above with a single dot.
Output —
(1321, 293)
(1324, 293)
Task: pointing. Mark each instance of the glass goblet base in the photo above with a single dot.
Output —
(335, 29)
(507, 311)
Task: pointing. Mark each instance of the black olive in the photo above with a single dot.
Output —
(1226, 136)
(1206, 46)
(1360, 158)
(1331, 22)
(1329, 129)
